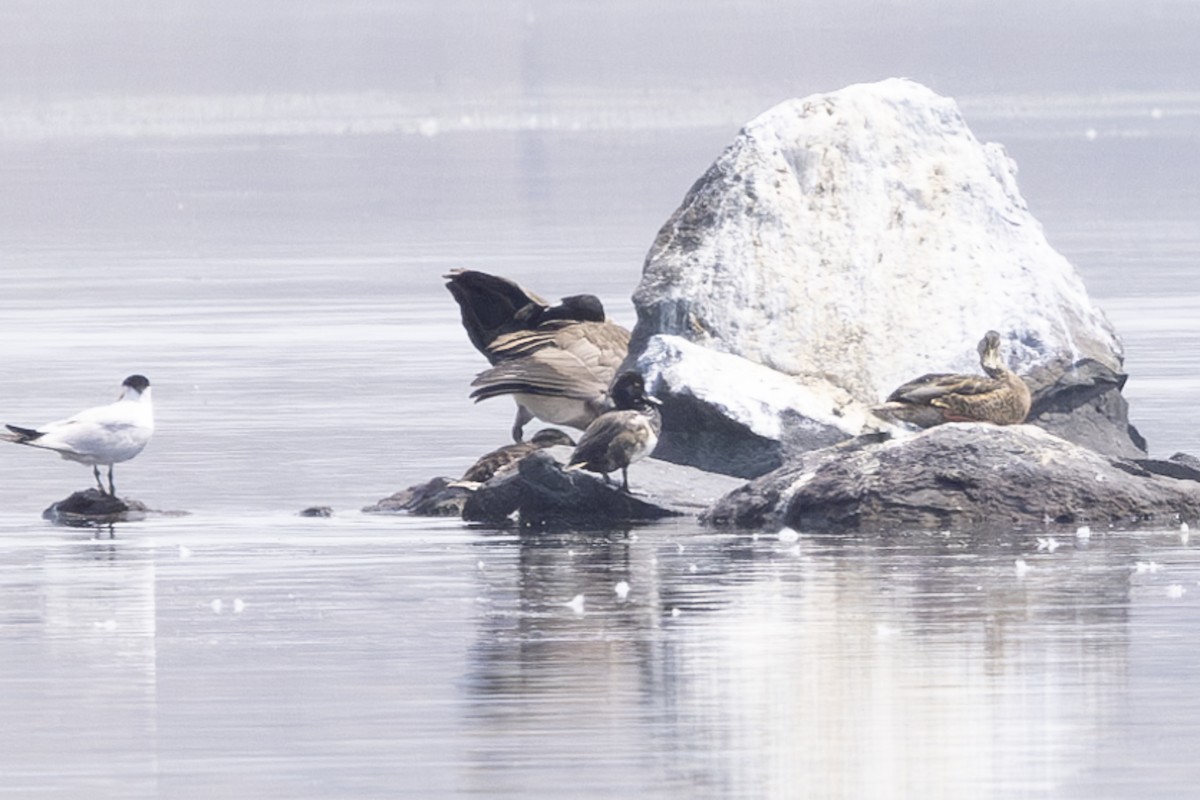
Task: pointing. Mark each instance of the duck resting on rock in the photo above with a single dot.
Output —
(999, 397)
(505, 458)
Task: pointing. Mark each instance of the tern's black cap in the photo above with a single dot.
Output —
(138, 383)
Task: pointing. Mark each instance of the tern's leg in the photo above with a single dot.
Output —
(625, 479)
(96, 472)
(112, 490)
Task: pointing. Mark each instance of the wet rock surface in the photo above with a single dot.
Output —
(957, 476)
(438, 497)
(542, 493)
(91, 507)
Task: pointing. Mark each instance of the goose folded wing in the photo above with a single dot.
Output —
(592, 342)
(548, 372)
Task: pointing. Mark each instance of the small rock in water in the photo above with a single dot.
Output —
(788, 535)
(621, 589)
(1083, 532)
(317, 511)
(93, 507)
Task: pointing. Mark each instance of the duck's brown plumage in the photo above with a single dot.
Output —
(999, 396)
(556, 361)
(620, 437)
(501, 458)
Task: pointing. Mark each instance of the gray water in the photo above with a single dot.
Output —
(253, 205)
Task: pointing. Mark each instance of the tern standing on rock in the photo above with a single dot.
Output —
(104, 435)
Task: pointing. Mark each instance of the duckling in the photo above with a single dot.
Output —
(1001, 397)
(622, 436)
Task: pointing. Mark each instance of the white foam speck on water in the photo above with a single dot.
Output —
(217, 605)
(1022, 567)
(239, 605)
(1143, 567)
(788, 535)
(1183, 527)
(692, 568)
(106, 625)
(575, 604)
(1049, 544)
(621, 589)
(1083, 532)
(184, 552)
(675, 612)
(1176, 591)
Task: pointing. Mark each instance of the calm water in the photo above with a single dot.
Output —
(272, 262)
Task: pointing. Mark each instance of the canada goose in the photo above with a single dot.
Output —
(104, 435)
(556, 361)
(1001, 397)
(620, 437)
(497, 460)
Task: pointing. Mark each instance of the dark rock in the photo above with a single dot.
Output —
(1186, 459)
(92, 507)
(954, 477)
(1180, 466)
(317, 511)
(440, 497)
(1082, 403)
(544, 494)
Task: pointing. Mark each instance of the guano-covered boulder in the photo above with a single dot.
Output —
(847, 242)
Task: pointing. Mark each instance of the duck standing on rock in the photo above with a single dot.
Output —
(620, 437)
(1000, 397)
(104, 435)
(555, 361)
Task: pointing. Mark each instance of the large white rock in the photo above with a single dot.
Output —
(855, 240)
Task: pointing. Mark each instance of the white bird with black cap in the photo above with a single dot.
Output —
(100, 436)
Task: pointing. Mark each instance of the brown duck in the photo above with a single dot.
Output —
(501, 459)
(622, 436)
(999, 397)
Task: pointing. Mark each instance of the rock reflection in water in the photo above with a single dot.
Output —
(832, 667)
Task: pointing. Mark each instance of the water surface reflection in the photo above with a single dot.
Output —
(924, 665)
